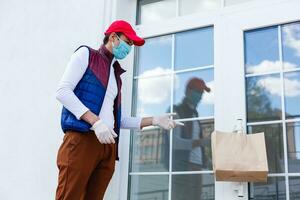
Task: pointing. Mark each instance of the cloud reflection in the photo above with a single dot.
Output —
(208, 98)
(267, 65)
(156, 89)
(272, 85)
(292, 37)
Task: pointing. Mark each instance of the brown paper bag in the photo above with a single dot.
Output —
(239, 157)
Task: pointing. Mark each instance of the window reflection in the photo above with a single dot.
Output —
(293, 145)
(194, 48)
(273, 189)
(291, 45)
(193, 187)
(153, 95)
(194, 94)
(192, 97)
(152, 11)
(263, 98)
(191, 146)
(262, 50)
(292, 94)
(193, 6)
(150, 151)
(155, 57)
(264, 94)
(294, 183)
(149, 187)
(274, 145)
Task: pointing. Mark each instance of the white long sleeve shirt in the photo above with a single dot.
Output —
(73, 74)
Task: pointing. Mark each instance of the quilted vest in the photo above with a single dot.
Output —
(91, 90)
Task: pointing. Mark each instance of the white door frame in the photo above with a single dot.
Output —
(229, 24)
(231, 104)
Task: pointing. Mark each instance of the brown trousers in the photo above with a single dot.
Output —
(85, 167)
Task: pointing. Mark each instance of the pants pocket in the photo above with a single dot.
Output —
(74, 140)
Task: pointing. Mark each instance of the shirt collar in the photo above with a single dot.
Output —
(106, 52)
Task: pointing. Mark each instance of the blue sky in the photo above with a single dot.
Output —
(262, 55)
(192, 49)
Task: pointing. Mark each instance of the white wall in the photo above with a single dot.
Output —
(37, 40)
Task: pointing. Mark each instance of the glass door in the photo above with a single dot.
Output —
(272, 65)
(174, 73)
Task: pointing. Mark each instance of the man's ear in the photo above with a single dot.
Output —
(111, 36)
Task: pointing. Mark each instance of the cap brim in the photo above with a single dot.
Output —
(138, 41)
(207, 89)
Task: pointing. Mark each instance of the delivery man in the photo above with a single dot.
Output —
(91, 118)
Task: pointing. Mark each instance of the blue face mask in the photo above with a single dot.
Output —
(195, 97)
(122, 50)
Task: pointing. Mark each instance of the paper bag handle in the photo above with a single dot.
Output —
(238, 127)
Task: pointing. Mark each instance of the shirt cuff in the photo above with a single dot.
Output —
(81, 112)
(131, 123)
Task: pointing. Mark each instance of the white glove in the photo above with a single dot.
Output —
(165, 121)
(104, 134)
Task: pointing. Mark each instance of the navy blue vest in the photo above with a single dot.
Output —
(91, 90)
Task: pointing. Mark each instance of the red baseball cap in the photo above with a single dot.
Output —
(197, 84)
(125, 28)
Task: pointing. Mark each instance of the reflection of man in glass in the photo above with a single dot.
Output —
(188, 140)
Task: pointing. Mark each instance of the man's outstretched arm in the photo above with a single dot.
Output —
(163, 121)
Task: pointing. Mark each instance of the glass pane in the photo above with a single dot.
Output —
(292, 94)
(291, 45)
(293, 140)
(194, 94)
(194, 48)
(152, 95)
(274, 189)
(155, 57)
(191, 146)
(193, 187)
(152, 11)
(232, 2)
(294, 183)
(193, 6)
(261, 50)
(263, 98)
(149, 187)
(150, 151)
(274, 145)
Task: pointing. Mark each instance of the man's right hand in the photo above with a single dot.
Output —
(104, 134)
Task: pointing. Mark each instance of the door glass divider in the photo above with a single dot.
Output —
(291, 70)
(195, 118)
(273, 72)
(276, 175)
(292, 120)
(263, 73)
(293, 174)
(283, 113)
(171, 110)
(264, 122)
(172, 173)
(193, 69)
(173, 71)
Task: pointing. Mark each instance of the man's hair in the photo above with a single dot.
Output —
(106, 37)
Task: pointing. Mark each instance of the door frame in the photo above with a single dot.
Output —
(229, 25)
